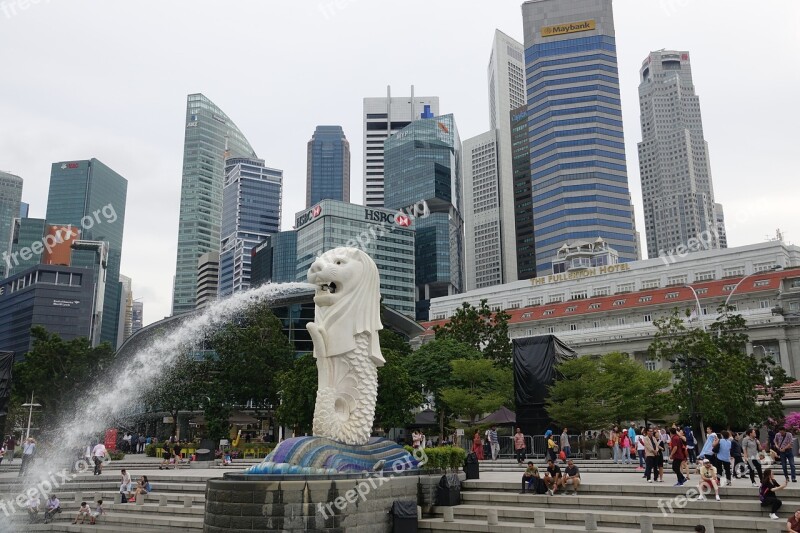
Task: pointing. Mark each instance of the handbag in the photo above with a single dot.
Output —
(610, 443)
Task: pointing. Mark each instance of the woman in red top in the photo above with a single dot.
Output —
(677, 454)
(477, 447)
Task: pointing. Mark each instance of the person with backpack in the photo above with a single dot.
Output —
(767, 493)
(640, 449)
(723, 449)
(532, 481)
(736, 453)
(690, 444)
(677, 454)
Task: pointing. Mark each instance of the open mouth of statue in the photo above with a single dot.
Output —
(328, 287)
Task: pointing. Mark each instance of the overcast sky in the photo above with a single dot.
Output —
(96, 78)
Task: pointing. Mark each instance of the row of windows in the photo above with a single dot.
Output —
(569, 101)
(561, 239)
(574, 111)
(576, 132)
(570, 46)
(545, 95)
(592, 176)
(581, 223)
(578, 153)
(583, 211)
(573, 122)
(577, 164)
(583, 187)
(567, 81)
(571, 70)
(567, 60)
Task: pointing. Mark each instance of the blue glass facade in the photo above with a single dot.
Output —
(578, 171)
(91, 196)
(275, 259)
(423, 164)
(328, 172)
(10, 208)
(251, 210)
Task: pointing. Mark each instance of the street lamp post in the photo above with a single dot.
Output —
(699, 308)
(30, 405)
(774, 268)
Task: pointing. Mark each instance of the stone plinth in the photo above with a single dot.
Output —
(338, 503)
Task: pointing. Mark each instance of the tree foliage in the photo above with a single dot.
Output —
(477, 387)
(298, 394)
(396, 392)
(58, 372)
(481, 328)
(715, 378)
(180, 387)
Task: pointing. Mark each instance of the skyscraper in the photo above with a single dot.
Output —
(10, 206)
(482, 227)
(125, 326)
(328, 166)
(89, 195)
(138, 316)
(423, 162)
(578, 172)
(251, 210)
(384, 116)
(210, 137)
(207, 279)
(673, 157)
(523, 197)
(506, 77)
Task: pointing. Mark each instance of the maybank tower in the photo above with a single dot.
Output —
(579, 177)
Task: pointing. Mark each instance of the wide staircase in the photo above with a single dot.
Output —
(620, 507)
(586, 465)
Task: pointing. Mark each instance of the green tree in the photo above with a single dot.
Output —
(477, 387)
(251, 351)
(179, 387)
(58, 372)
(298, 394)
(396, 393)
(483, 329)
(579, 397)
(632, 391)
(392, 341)
(715, 379)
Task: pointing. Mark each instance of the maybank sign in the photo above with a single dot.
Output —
(578, 274)
(570, 27)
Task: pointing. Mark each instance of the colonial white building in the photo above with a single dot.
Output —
(611, 307)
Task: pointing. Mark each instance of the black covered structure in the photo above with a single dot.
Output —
(535, 361)
(6, 363)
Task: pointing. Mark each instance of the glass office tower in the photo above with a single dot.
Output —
(578, 170)
(89, 195)
(328, 166)
(251, 210)
(423, 163)
(10, 207)
(210, 137)
(275, 259)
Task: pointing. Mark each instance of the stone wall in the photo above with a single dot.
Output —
(352, 504)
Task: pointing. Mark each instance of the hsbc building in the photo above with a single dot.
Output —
(386, 235)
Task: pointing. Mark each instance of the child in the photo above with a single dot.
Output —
(83, 512)
(97, 512)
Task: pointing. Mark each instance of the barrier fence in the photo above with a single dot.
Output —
(535, 446)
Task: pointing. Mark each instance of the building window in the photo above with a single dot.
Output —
(605, 291)
(701, 291)
(514, 305)
(535, 301)
(571, 309)
(733, 272)
(596, 324)
(579, 295)
(549, 312)
(651, 284)
(761, 283)
(550, 329)
(704, 276)
(764, 304)
(794, 284)
(619, 302)
(648, 318)
(794, 306)
(621, 321)
(671, 295)
(556, 298)
(495, 308)
(729, 288)
(761, 267)
(573, 327)
(677, 280)
(526, 315)
(594, 306)
(645, 299)
(650, 365)
(625, 287)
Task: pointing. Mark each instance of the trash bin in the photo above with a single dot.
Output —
(204, 454)
(404, 516)
(471, 466)
(448, 493)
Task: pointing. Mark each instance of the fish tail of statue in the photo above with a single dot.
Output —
(345, 411)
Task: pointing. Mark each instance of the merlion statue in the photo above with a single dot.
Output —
(346, 344)
(348, 353)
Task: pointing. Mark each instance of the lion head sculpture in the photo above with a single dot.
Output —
(347, 299)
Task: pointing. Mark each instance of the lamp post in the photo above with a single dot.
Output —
(30, 405)
(774, 268)
(699, 309)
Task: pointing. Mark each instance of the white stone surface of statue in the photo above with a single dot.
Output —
(346, 345)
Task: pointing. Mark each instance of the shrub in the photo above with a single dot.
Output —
(116, 455)
(150, 450)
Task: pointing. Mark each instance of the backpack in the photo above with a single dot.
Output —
(762, 492)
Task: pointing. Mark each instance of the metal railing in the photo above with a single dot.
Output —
(535, 446)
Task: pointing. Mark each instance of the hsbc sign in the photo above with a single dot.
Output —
(400, 219)
(308, 216)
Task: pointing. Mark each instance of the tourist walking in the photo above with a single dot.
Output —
(690, 444)
(783, 442)
(736, 454)
(477, 445)
(677, 454)
(708, 479)
(724, 456)
(626, 448)
(11, 445)
(519, 446)
(640, 448)
(707, 452)
(552, 447)
(140, 444)
(614, 441)
(494, 442)
(651, 451)
(98, 456)
(28, 450)
(564, 442)
(767, 493)
(750, 449)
